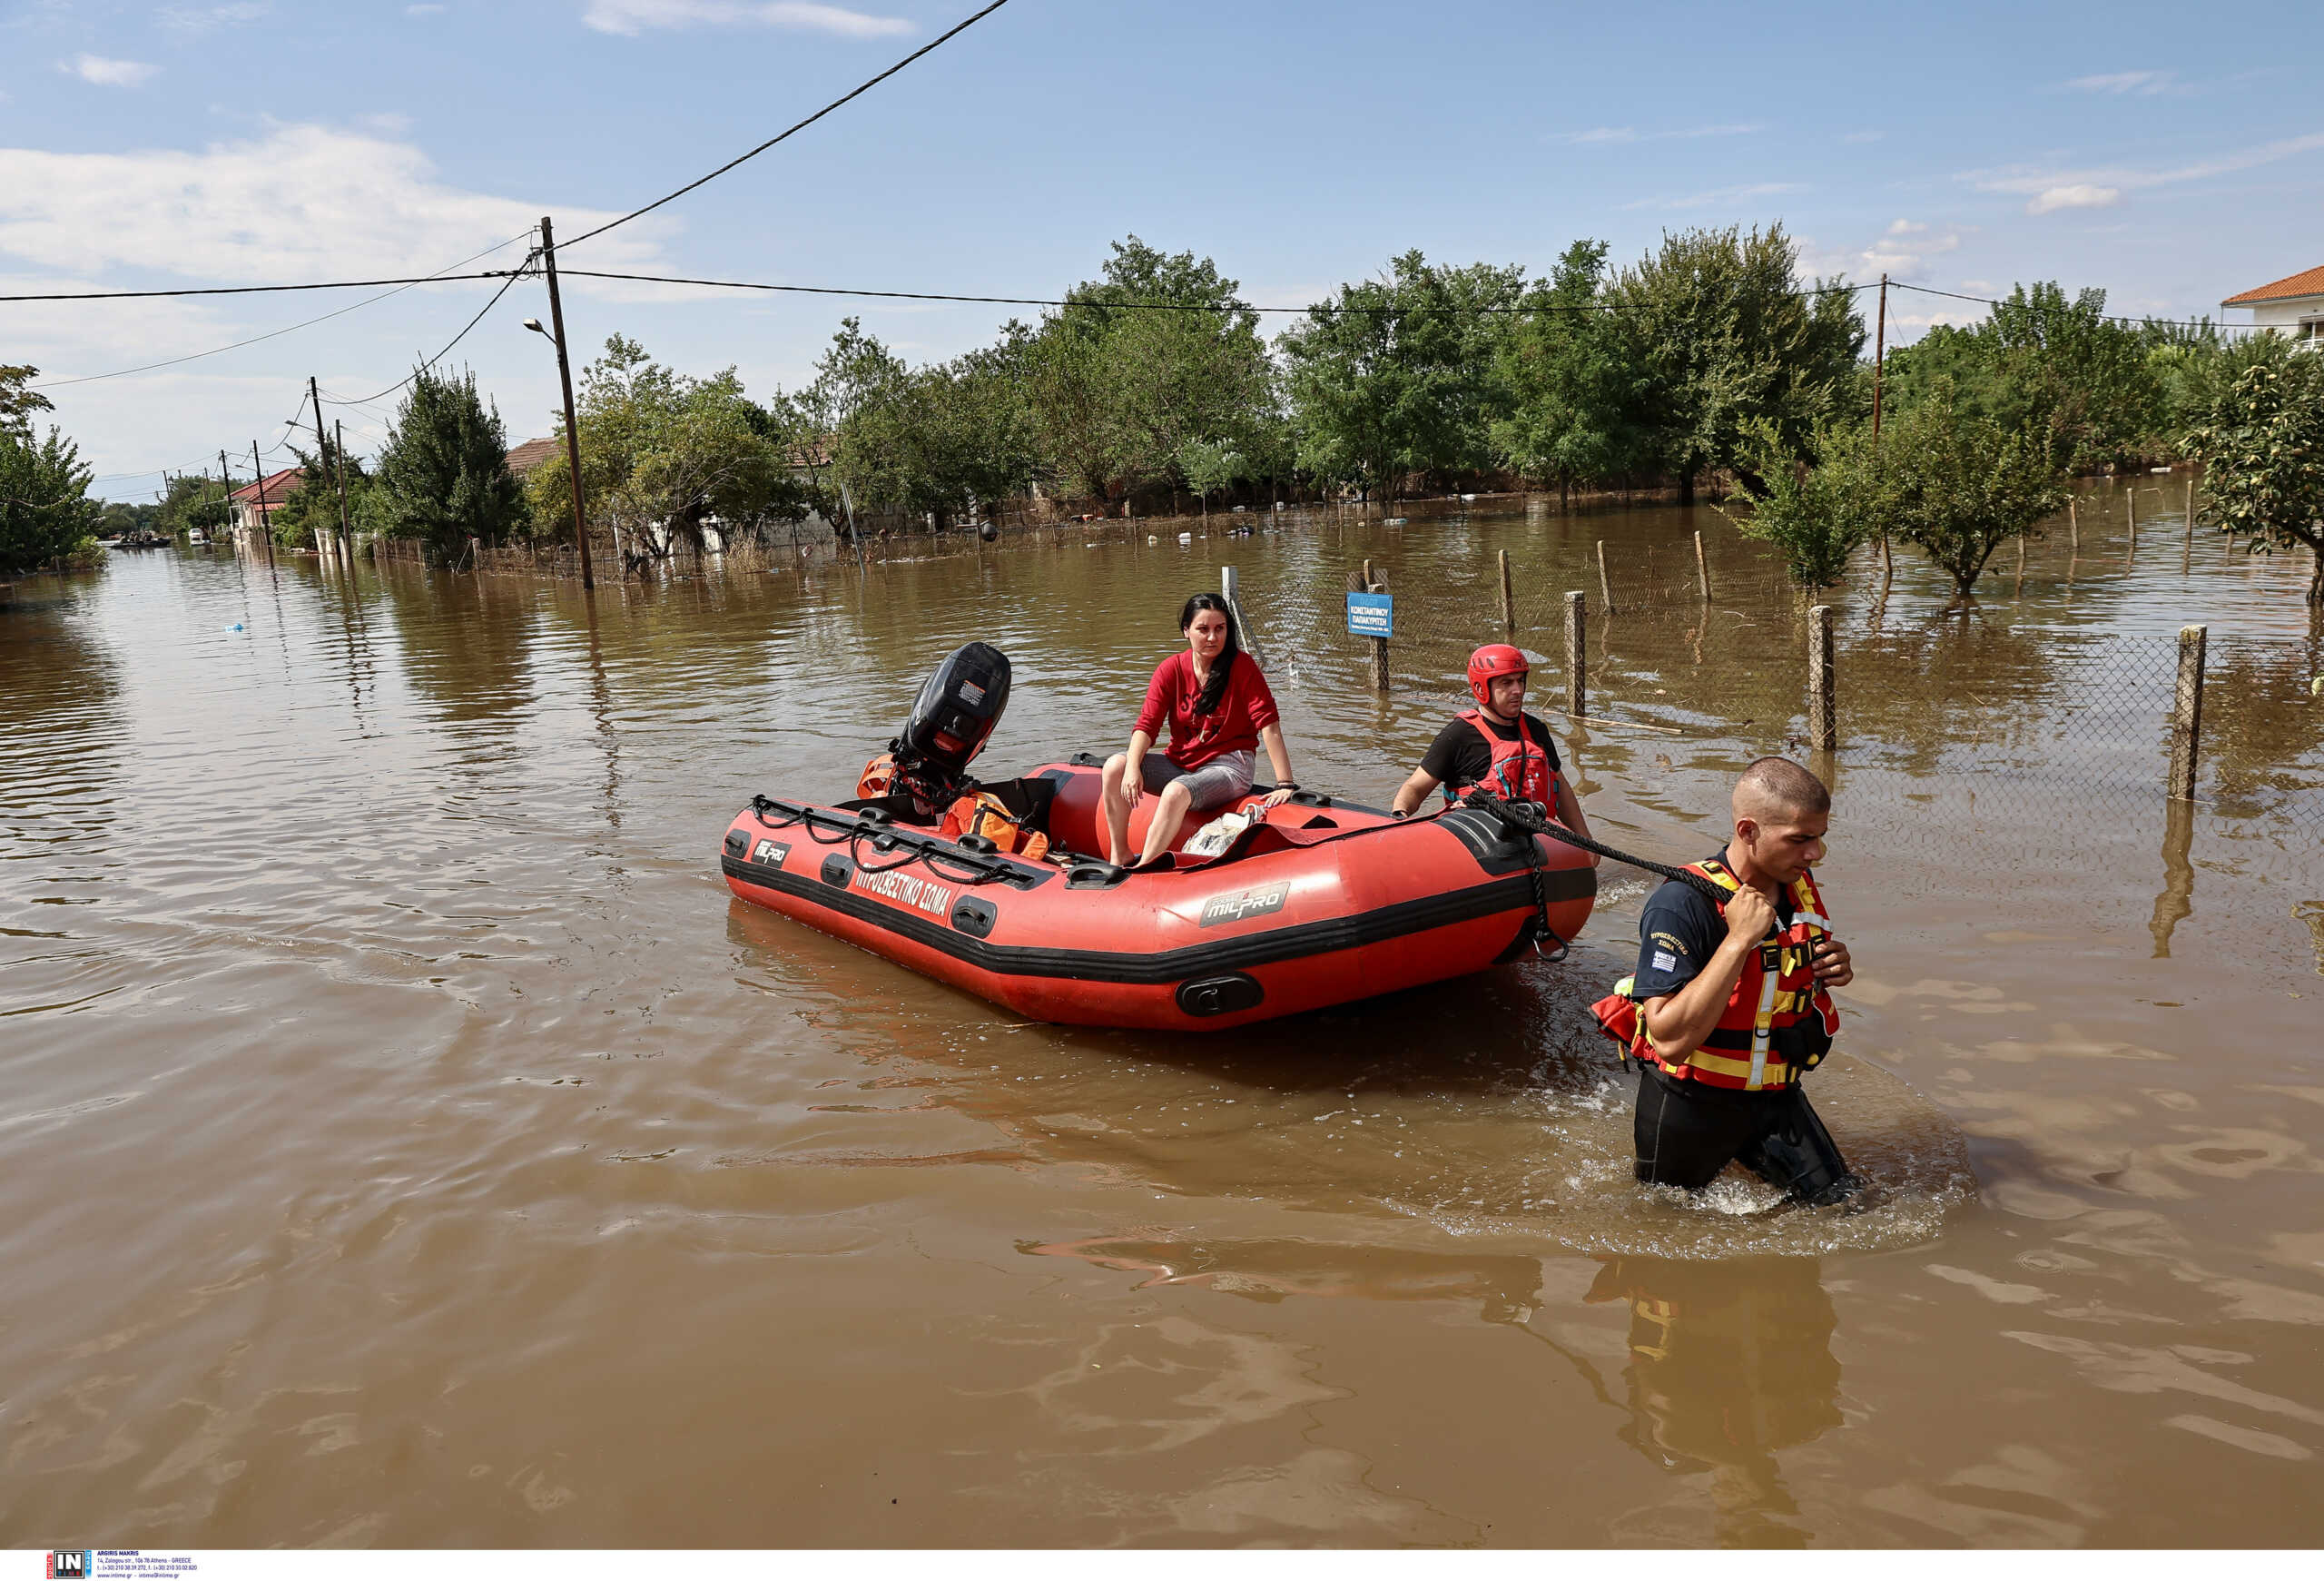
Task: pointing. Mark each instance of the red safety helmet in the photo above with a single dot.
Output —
(1494, 659)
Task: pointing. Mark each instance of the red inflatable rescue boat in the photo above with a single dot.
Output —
(1316, 902)
(1321, 904)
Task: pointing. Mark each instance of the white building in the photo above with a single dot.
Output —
(2292, 306)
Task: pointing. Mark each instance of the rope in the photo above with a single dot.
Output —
(1522, 816)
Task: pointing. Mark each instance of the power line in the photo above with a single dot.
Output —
(514, 276)
(1051, 301)
(801, 126)
(271, 334)
(2107, 318)
(258, 289)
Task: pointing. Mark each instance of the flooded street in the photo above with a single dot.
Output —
(406, 1140)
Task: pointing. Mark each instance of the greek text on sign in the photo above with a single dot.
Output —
(1372, 614)
(932, 898)
(1247, 902)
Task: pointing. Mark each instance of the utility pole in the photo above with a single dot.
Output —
(564, 379)
(226, 483)
(1879, 356)
(258, 472)
(322, 448)
(345, 532)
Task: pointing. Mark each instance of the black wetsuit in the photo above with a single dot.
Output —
(1687, 1131)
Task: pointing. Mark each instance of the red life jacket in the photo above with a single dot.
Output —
(1753, 1045)
(1520, 771)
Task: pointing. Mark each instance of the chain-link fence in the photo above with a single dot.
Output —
(2034, 733)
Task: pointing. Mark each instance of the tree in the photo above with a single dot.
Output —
(1818, 509)
(1960, 485)
(2060, 371)
(663, 454)
(1397, 375)
(192, 501)
(312, 510)
(1159, 352)
(1572, 407)
(18, 402)
(443, 474)
(45, 511)
(2261, 444)
(1717, 332)
(1209, 467)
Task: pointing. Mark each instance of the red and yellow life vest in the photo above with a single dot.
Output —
(1752, 1046)
(1520, 771)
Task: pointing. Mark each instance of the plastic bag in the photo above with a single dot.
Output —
(1215, 837)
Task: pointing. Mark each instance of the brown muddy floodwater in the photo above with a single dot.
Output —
(406, 1140)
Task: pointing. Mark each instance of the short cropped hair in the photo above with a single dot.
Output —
(1781, 783)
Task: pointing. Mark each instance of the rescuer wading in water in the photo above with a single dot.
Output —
(1497, 746)
(1730, 1002)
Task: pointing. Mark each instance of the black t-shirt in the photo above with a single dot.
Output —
(1459, 758)
(1678, 933)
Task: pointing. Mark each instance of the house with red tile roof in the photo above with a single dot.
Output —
(254, 503)
(522, 459)
(2292, 306)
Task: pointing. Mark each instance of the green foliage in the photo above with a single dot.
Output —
(2262, 443)
(1209, 468)
(1960, 485)
(17, 402)
(2083, 385)
(1818, 509)
(1717, 334)
(45, 511)
(1574, 409)
(192, 501)
(662, 453)
(312, 510)
(1397, 376)
(443, 474)
(1116, 391)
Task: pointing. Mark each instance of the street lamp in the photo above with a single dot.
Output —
(565, 378)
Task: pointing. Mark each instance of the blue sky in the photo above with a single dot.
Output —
(1298, 143)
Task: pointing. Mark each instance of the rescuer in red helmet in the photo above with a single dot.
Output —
(1496, 745)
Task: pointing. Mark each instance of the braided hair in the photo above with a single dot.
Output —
(1206, 701)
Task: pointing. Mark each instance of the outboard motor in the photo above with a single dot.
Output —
(950, 721)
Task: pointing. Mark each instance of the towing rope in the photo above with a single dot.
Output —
(1524, 815)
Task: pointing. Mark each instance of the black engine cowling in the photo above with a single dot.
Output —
(955, 710)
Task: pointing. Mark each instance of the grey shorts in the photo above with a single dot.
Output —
(1214, 784)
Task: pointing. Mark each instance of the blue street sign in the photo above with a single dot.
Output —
(1372, 614)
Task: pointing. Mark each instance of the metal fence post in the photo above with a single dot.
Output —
(1823, 722)
(1508, 598)
(1576, 688)
(2187, 712)
(1361, 582)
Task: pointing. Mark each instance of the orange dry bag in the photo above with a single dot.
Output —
(982, 813)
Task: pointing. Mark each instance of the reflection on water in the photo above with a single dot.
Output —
(1728, 1363)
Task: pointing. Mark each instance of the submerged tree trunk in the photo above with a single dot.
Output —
(2316, 575)
(1687, 487)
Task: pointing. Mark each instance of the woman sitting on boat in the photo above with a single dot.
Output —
(1219, 712)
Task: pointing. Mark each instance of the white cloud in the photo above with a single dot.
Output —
(1719, 197)
(303, 202)
(2143, 83)
(202, 18)
(1980, 286)
(2074, 195)
(1908, 228)
(2048, 191)
(1903, 252)
(1632, 133)
(109, 73)
(634, 17)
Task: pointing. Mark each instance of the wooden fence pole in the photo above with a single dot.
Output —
(2190, 510)
(2131, 511)
(1605, 585)
(2073, 527)
(2187, 712)
(1823, 722)
(1702, 568)
(1508, 598)
(1577, 687)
